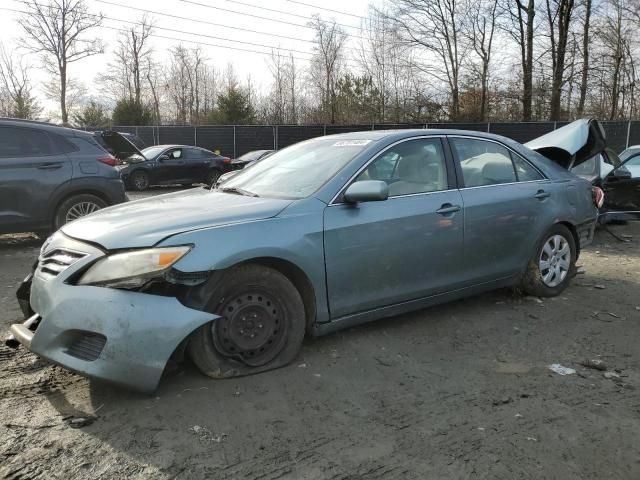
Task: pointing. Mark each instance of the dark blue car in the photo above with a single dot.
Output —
(172, 164)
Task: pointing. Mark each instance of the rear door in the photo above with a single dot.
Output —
(504, 209)
(196, 164)
(32, 167)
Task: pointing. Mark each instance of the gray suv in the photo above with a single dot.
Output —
(50, 175)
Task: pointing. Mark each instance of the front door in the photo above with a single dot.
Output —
(404, 248)
(171, 169)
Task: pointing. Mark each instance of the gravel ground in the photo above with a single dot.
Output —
(458, 391)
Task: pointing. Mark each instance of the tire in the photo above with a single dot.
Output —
(213, 177)
(551, 281)
(262, 328)
(77, 206)
(139, 180)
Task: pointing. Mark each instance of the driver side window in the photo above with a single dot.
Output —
(414, 166)
(175, 154)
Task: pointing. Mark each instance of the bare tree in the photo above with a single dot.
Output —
(437, 26)
(58, 31)
(559, 14)
(327, 62)
(482, 19)
(585, 57)
(522, 16)
(16, 87)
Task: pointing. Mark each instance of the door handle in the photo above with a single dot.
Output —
(49, 166)
(541, 195)
(448, 208)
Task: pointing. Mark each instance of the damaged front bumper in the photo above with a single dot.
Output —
(120, 336)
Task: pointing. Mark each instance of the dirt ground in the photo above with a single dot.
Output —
(458, 391)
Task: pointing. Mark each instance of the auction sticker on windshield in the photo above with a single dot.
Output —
(351, 143)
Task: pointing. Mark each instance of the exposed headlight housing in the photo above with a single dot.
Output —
(132, 269)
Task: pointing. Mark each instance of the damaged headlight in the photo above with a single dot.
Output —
(132, 269)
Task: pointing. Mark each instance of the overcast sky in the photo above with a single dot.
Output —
(262, 31)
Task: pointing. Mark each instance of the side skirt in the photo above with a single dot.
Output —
(352, 320)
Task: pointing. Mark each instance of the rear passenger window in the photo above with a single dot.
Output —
(24, 142)
(483, 163)
(525, 172)
(61, 144)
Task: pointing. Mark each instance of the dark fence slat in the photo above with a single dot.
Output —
(521, 132)
(216, 138)
(290, 134)
(257, 137)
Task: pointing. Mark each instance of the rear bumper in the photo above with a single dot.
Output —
(586, 232)
(120, 336)
(115, 192)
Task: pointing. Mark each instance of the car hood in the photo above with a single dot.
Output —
(143, 223)
(572, 144)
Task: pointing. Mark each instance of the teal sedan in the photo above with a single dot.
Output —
(323, 235)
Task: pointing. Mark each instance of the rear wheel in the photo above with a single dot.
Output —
(553, 264)
(77, 206)
(139, 180)
(262, 324)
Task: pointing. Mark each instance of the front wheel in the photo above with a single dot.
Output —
(553, 264)
(139, 180)
(262, 324)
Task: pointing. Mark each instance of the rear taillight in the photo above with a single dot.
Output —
(598, 196)
(226, 160)
(108, 160)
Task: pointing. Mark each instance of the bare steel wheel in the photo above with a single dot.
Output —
(251, 329)
(555, 260)
(260, 327)
(77, 206)
(553, 264)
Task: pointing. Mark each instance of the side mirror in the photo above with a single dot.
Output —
(621, 173)
(367, 191)
(163, 158)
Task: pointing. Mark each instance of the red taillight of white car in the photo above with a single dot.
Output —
(598, 196)
(108, 160)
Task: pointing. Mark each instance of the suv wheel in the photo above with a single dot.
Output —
(77, 206)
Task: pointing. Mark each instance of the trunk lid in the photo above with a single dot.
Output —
(572, 144)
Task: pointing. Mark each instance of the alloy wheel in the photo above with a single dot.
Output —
(555, 260)
(81, 209)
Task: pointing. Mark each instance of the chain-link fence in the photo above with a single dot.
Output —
(234, 140)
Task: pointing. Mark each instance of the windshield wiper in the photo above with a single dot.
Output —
(238, 191)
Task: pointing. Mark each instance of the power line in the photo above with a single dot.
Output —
(261, 17)
(326, 9)
(244, 42)
(106, 2)
(197, 20)
(174, 38)
(305, 17)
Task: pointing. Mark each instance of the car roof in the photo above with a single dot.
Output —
(399, 134)
(171, 145)
(18, 122)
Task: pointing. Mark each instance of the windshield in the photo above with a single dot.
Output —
(629, 152)
(152, 152)
(297, 171)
